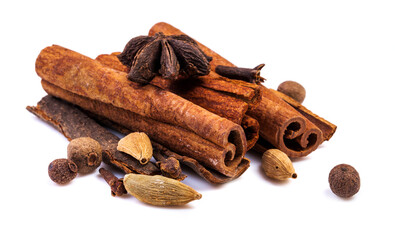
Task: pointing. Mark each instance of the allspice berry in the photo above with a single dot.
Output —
(62, 170)
(86, 153)
(344, 180)
(293, 90)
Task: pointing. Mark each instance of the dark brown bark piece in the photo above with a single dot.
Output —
(73, 123)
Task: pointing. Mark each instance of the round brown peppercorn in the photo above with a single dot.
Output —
(293, 90)
(62, 170)
(344, 180)
(86, 153)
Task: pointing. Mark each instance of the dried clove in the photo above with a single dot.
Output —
(170, 56)
(62, 170)
(116, 184)
(170, 167)
(251, 75)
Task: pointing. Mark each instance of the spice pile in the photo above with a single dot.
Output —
(178, 101)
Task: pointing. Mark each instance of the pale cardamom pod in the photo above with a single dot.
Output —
(159, 190)
(277, 165)
(137, 145)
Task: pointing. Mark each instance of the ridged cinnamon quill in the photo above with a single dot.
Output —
(180, 125)
(281, 125)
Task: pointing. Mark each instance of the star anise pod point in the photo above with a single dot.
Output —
(169, 56)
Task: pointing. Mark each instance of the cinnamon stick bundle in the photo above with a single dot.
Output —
(206, 173)
(215, 101)
(216, 143)
(281, 125)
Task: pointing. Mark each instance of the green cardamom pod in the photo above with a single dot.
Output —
(159, 190)
(277, 165)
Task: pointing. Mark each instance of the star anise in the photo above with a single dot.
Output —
(171, 56)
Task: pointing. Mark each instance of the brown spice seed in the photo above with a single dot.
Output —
(86, 153)
(62, 170)
(293, 90)
(344, 180)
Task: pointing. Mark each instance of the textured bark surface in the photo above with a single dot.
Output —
(208, 174)
(285, 128)
(179, 124)
(327, 128)
(73, 123)
(218, 102)
(281, 125)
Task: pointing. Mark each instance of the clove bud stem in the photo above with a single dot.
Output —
(116, 184)
(251, 75)
(170, 166)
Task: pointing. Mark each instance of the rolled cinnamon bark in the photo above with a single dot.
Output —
(208, 174)
(281, 126)
(284, 127)
(224, 105)
(327, 128)
(170, 120)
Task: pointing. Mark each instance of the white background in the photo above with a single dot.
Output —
(341, 51)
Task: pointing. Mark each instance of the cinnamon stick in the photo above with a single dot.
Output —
(208, 174)
(285, 128)
(327, 128)
(226, 105)
(73, 123)
(180, 125)
(281, 126)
